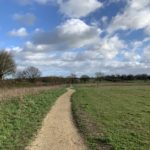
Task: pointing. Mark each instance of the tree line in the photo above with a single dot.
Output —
(33, 74)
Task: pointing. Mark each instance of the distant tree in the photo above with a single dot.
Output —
(141, 77)
(123, 77)
(112, 78)
(99, 76)
(20, 75)
(31, 73)
(72, 78)
(7, 64)
(130, 77)
(84, 78)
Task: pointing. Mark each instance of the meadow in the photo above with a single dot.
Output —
(113, 117)
(22, 113)
(8, 93)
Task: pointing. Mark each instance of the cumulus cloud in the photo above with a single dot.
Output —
(85, 46)
(104, 20)
(111, 46)
(29, 46)
(70, 8)
(99, 54)
(107, 48)
(135, 16)
(131, 56)
(74, 33)
(14, 49)
(21, 32)
(77, 9)
(136, 51)
(147, 30)
(146, 55)
(26, 19)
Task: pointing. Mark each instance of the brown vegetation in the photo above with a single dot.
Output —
(7, 93)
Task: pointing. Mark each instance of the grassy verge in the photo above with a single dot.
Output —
(20, 118)
(114, 117)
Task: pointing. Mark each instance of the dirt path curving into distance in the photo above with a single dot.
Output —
(58, 131)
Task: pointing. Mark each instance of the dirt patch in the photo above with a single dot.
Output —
(58, 131)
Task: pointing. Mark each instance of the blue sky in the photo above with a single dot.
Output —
(61, 37)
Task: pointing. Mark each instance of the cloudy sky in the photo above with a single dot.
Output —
(77, 36)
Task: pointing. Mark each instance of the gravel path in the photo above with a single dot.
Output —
(58, 131)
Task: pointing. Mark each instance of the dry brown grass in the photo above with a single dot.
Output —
(7, 93)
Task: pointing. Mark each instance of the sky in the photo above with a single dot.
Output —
(61, 37)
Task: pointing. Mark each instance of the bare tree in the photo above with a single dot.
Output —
(99, 76)
(72, 78)
(20, 75)
(7, 64)
(31, 73)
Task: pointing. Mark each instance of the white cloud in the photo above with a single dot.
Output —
(146, 55)
(72, 34)
(135, 16)
(96, 52)
(21, 32)
(70, 8)
(89, 61)
(29, 46)
(78, 8)
(139, 43)
(147, 30)
(112, 46)
(109, 47)
(139, 4)
(134, 51)
(104, 20)
(36, 57)
(132, 56)
(81, 45)
(14, 49)
(27, 19)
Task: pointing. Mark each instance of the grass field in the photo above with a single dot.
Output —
(20, 118)
(113, 117)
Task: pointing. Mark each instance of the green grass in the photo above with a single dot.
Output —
(20, 119)
(114, 117)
